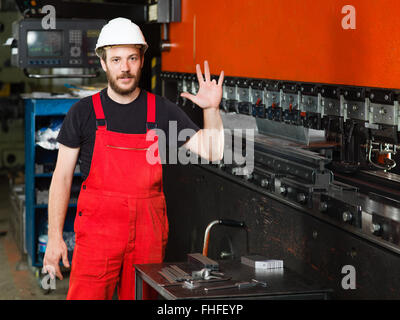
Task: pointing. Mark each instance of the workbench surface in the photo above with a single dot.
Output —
(281, 283)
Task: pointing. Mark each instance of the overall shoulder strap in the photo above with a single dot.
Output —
(151, 112)
(98, 110)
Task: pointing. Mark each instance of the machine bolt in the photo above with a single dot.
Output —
(347, 216)
(382, 111)
(301, 197)
(323, 207)
(375, 227)
(283, 190)
(264, 183)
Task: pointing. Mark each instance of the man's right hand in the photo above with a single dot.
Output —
(56, 249)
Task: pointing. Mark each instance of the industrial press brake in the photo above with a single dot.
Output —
(318, 187)
(312, 126)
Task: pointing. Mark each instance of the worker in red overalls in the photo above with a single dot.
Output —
(121, 215)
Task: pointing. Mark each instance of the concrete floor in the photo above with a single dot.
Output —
(18, 280)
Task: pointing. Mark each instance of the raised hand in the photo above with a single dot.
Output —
(210, 92)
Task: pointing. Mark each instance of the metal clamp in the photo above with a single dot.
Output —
(391, 163)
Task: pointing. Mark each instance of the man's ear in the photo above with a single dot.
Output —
(141, 66)
(103, 65)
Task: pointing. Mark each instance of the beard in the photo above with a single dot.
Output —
(113, 82)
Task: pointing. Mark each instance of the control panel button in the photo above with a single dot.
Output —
(75, 51)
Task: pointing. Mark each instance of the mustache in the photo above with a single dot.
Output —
(126, 75)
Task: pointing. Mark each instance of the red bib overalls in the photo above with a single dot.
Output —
(121, 215)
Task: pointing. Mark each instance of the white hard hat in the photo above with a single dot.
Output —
(120, 31)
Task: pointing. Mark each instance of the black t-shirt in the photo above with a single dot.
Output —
(79, 126)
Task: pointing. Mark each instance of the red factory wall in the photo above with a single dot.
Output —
(299, 40)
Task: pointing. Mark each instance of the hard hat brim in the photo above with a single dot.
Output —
(143, 47)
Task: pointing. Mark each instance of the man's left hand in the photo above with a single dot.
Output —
(210, 91)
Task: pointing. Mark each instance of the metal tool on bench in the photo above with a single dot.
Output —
(238, 285)
(193, 283)
(174, 274)
(206, 274)
(202, 261)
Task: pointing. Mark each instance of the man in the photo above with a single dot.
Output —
(121, 214)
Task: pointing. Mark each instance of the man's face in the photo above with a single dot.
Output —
(123, 68)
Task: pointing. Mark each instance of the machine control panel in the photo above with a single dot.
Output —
(72, 44)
